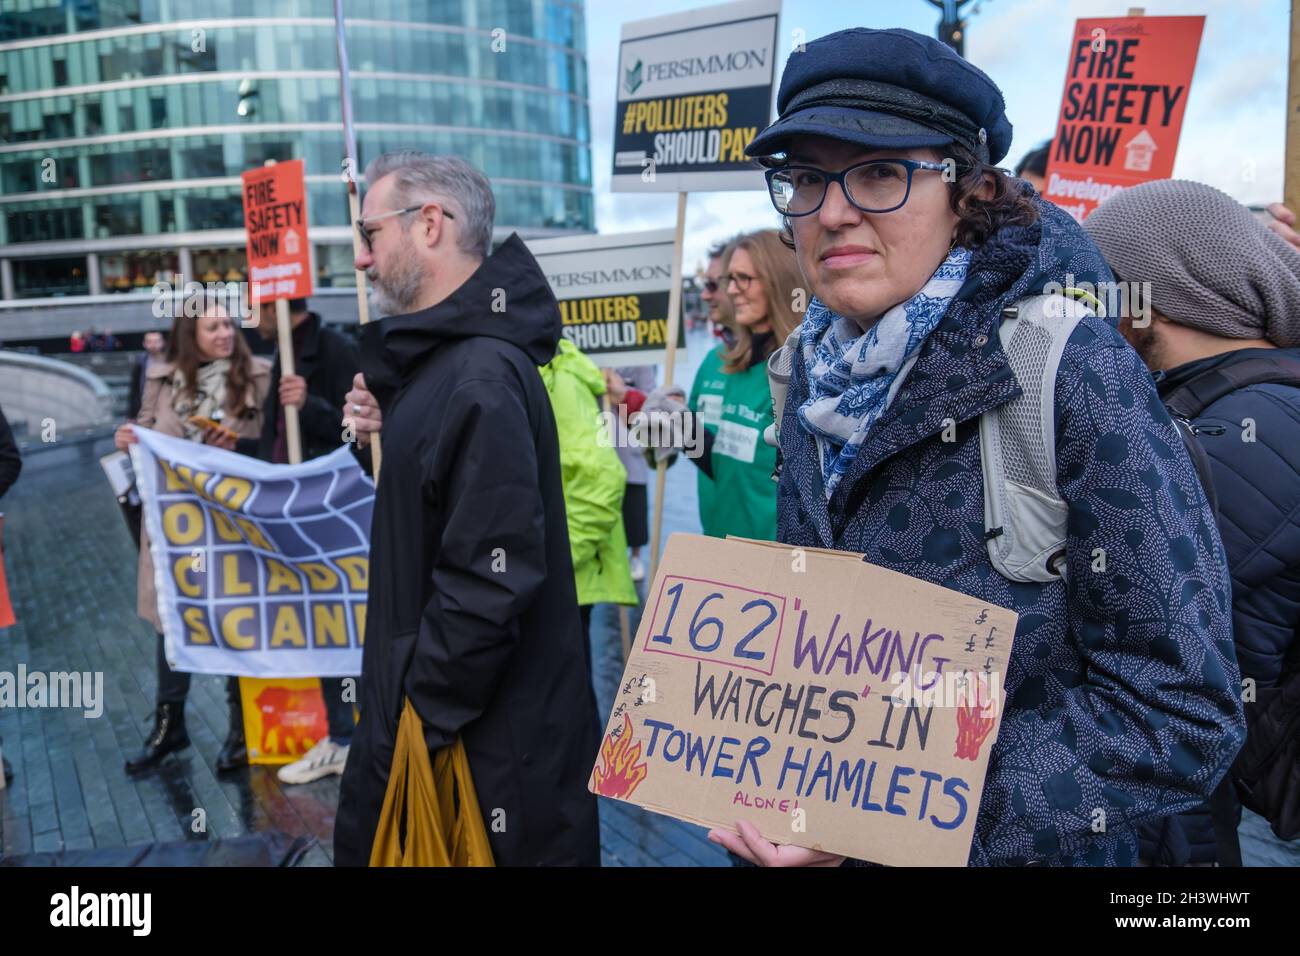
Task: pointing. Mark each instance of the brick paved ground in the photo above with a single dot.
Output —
(72, 574)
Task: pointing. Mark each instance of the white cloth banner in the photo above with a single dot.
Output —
(261, 570)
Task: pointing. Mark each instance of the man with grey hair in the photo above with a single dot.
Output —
(472, 611)
(1223, 341)
(448, 257)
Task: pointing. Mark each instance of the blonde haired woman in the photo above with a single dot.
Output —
(761, 278)
(731, 398)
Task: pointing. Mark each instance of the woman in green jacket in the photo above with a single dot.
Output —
(594, 480)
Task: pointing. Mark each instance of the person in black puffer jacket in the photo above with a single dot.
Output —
(1225, 312)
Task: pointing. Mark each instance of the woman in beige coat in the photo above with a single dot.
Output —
(209, 376)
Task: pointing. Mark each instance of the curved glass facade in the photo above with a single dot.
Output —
(101, 96)
(222, 99)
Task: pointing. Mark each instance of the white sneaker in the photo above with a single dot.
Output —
(325, 758)
(638, 570)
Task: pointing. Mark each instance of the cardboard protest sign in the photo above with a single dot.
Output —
(693, 89)
(261, 570)
(275, 218)
(613, 293)
(832, 703)
(1126, 89)
(284, 717)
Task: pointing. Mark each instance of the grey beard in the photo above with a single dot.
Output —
(383, 304)
(398, 291)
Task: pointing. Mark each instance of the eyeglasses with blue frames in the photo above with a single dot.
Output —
(878, 185)
(363, 225)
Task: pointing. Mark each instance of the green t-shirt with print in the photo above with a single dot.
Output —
(740, 498)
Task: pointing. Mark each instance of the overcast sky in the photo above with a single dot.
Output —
(1233, 130)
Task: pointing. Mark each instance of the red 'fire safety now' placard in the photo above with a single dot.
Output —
(275, 216)
(1126, 88)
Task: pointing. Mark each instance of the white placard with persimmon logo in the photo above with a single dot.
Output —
(832, 703)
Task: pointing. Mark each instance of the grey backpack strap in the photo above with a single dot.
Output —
(780, 364)
(1024, 514)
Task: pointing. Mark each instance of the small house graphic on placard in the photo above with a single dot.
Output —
(291, 242)
(1140, 149)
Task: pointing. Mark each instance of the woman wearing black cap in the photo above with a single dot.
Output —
(1120, 686)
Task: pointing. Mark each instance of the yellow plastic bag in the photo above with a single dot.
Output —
(443, 824)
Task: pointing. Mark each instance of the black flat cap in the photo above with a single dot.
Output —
(885, 89)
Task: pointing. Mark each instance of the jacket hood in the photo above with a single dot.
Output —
(506, 298)
(1021, 261)
(570, 359)
(1065, 254)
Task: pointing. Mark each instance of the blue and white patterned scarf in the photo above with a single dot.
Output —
(853, 375)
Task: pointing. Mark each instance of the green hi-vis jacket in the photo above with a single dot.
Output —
(740, 498)
(593, 478)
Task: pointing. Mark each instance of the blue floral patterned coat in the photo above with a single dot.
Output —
(1123, 691)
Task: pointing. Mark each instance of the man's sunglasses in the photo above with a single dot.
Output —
(363, 225)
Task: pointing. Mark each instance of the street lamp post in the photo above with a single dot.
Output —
(951, 29)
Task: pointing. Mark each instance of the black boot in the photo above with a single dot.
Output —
(234, 753)
(168, 735)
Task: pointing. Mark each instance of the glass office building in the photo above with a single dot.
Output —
(124, 124)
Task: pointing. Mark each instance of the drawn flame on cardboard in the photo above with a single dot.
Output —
(619, 773)
(973, 726)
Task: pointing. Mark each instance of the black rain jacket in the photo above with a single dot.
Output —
(472, 608)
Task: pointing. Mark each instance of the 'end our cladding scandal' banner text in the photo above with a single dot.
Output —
(613, 293)
(693, 90)
(1126, 89)
(261, 570)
